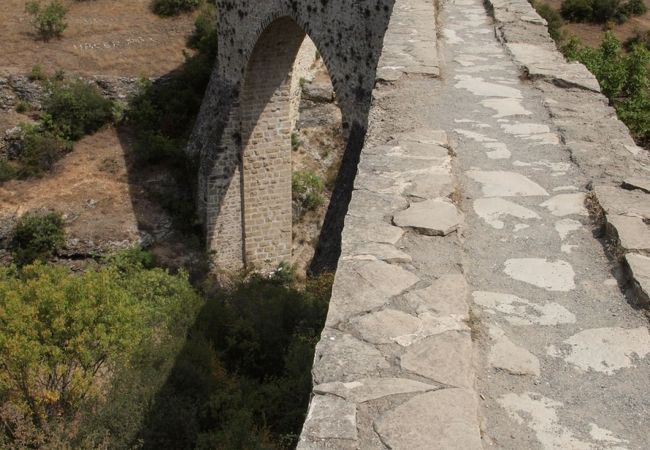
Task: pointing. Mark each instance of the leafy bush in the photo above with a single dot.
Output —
(173, 7)
(634, 8)
(577, 10)
(606, 10)
(7, 171)
(64, 336)
(40, 150)
(37, 236)
(307, 190)
(49, 20)
(76, 108)
(623, 79)
(204, 36)
(37, 73)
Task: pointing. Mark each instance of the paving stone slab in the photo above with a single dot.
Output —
(437, 217)
(361, 286)
(330, 417)
(342, 357)
(439, 420)
(445, 358)
(620, 201)
(446, 296)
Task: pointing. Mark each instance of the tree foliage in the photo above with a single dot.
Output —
(63, 336)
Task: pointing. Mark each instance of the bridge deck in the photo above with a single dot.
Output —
(474, 305)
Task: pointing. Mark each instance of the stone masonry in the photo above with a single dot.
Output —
(242, 138)
(473, 304)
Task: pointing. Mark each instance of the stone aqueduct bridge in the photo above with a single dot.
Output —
(472, 305)
(243, 136)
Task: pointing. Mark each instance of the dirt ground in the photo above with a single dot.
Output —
(592, 34)
(107, 37)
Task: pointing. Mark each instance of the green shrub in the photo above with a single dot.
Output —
(204, 37)
(552, 17)
(295, 141)
(40, 150)
(307, 190)
(642, 38)
(7, 171)
(634, 8)
(37, 236)
(76, 108)
(37, 73)
(48, 20)
(577, 10)
(22, 107)
(606, 10)
(173, 7)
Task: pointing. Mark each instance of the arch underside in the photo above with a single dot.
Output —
(243, 134)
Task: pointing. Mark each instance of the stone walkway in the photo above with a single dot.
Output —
(563, 359)
(473, 306)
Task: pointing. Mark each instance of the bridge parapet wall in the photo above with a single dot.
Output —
(393, 368)
(599, 143)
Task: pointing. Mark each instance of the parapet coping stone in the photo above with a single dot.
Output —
(599, 143)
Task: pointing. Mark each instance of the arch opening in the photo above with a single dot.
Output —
(268, 110)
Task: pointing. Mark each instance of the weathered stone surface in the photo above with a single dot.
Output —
(435, 217)
(366, 389)
(445, 358)
(506, 184)
(567, 204)
(632, 232)
(380, 251)
(639, 267)
(447, 295)
(505, 355)
(550, 275)
(431, 185)
(640, 183)
(360, 231)
(386, 326)
(341, 357)
(330, 417)
(542, 62)
(370, 205)
(362, 286)
(440, 420)
(615, 200)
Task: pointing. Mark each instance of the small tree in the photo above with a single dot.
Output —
(49, 20)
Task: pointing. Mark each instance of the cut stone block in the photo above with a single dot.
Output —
(632, 232)
(435, 217)
(445, 358)
(341, 357)
(640, 183)
(640, 272)
(447, 295)
(620, 201)
(361, 286)
(330, 417)
(440, 420)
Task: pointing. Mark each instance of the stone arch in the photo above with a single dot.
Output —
(266, 126)
(242, 138)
